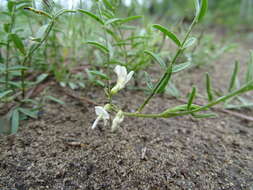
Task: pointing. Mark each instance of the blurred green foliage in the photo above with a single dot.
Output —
(235, 14)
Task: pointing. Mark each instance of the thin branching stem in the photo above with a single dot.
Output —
(165, 75)
(170, 113)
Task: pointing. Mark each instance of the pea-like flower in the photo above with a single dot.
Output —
(117, 120)
(123, 78)
(102, 113)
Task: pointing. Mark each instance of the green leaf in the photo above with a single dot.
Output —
(233, 77)
(128, 19)
(169, 34)
(112, 33)
(18, 43)
(3, 44)
(112, 21)
(107, 14)
(172, 90)
(157, 58)
(201, 11)
(73, 86)
(209, 88)
(180, 67)
(181, 108)
(37, 11)
(32, 114)
(63, 11)
(93, 16)
(14, 121)
(55, 100)
(22, 4)
(191, 98)
(148, 80)
(189, 42)
(165, 81)
(14, 68)
(99, 83)
(108, 5)
(7, 27)
(11, 5)
(41, 31)
(99, 45)
(81, 84)
(100, 74)
(249, 73)
(197, 8)
(41, 78)
(3, 94)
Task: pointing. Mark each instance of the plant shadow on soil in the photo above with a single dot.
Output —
(60, 151)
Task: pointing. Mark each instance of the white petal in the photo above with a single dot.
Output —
(101, 111)
(95, 122)
(129, 76)
(120, 71)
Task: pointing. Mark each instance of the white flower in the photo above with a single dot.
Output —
(117, 120)
(102, 114)
(123, 78)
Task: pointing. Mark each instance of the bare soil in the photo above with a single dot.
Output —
(59, 151)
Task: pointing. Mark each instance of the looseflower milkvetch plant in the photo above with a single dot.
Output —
(169, 69)
(40, 43)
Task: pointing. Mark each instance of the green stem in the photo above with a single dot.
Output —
(170, 113)
(142, 115)
(165, 75)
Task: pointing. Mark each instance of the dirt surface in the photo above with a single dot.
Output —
(60, 151)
